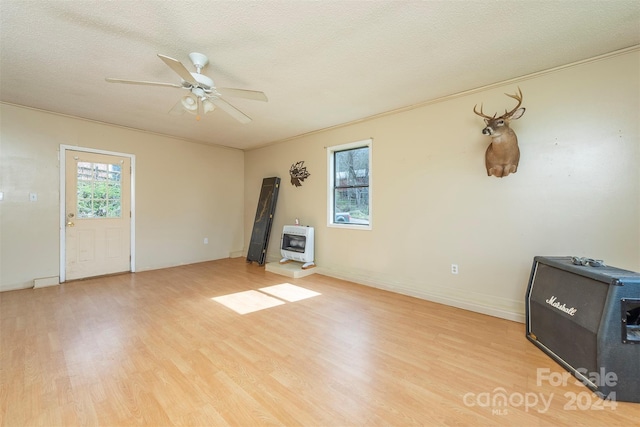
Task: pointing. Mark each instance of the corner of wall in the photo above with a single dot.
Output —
(236, 254)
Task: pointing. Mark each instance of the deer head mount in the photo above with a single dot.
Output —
(502, 154)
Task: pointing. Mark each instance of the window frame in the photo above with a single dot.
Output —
(331, 183)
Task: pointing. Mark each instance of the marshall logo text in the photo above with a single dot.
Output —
(553, 303)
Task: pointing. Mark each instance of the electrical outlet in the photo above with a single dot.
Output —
(206, 240)
(33, 197)
(454, 268)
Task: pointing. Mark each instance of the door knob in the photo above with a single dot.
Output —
(70, 224)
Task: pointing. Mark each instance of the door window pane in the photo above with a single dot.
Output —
(99, 190)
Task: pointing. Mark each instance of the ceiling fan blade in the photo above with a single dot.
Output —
(141, 82)
(231, 110)
(179, 69)
(243, 93)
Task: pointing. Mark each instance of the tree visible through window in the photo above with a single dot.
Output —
(99, 190)
(350, 167)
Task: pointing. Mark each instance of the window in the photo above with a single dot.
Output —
(349, 197)
(99, 194)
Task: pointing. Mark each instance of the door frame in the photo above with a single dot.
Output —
(63, 194)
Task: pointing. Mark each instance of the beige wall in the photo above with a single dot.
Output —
(576, 192)
(184, 193)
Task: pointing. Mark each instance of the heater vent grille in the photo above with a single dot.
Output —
(297, 243)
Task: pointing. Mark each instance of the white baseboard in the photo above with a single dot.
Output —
(46, 281)
(19, 287)
(510, 310)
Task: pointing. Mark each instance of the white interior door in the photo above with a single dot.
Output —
(97, 214)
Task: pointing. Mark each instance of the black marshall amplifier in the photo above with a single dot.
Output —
(587, 319)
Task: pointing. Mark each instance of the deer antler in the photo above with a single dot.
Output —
(517, 97)
(507, 114)
(481, 114)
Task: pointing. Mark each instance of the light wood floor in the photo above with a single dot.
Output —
(153, 348)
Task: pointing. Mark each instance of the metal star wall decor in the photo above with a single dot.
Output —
(298, 173)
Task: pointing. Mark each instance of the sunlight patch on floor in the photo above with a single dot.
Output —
(289, 292)
(247, 301)
(250, 301)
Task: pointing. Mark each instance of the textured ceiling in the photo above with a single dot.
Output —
(321, 63)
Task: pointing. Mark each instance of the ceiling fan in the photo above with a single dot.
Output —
(203, 95)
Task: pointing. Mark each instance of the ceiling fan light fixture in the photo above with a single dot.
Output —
(189, 104)
(208, 106)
